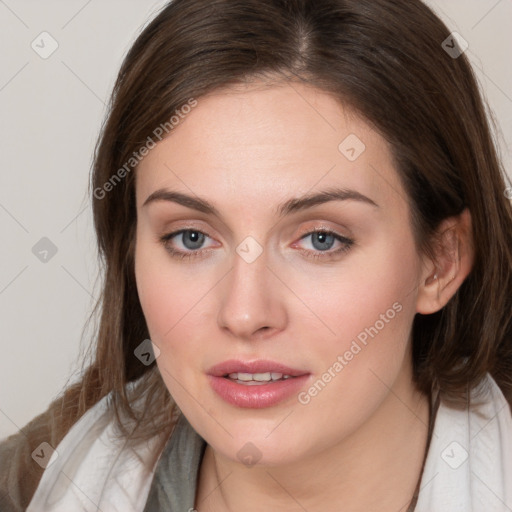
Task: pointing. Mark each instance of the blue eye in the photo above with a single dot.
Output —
(322, 241)
(192, 239)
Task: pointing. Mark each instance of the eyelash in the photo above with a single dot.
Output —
(318, 255)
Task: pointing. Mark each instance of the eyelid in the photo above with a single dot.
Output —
(322, 228)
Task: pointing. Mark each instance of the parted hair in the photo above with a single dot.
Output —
(385, 59)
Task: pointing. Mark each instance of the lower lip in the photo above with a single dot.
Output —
(259, 395)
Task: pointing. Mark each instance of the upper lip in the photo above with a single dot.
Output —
(259, 366)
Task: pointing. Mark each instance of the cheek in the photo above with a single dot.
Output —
(157, 293)
(171, 301)
(167, 304)
(369, 311)
(370, 297)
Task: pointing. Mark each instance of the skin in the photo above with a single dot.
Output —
(359, 444)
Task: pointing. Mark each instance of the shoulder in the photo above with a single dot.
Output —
(469, 464)
(22, 460)
(94, 468)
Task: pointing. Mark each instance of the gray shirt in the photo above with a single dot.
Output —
(174, 484)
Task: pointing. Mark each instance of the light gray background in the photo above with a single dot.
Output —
(51, 113)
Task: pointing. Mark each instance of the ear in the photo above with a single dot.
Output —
(454, 258)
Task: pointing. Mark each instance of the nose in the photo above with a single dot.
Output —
(252, 300)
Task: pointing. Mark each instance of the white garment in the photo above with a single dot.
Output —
(469, 463)
(92, 470)
(468, 466)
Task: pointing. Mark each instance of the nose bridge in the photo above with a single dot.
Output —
(250, 299)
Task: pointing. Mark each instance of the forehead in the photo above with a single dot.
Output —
(257, 141)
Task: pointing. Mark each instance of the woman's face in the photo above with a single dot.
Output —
(248, 281)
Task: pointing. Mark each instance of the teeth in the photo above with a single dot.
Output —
(253, 378)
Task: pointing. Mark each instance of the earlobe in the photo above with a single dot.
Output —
(454, 260)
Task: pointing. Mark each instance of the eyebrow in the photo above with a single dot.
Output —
(290, 206)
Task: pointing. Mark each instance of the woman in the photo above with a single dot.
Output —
(308, 272)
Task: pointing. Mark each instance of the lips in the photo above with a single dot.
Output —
(232, 381)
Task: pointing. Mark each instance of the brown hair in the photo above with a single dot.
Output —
(385, 59)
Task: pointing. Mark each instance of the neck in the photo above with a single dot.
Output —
(375, 468)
